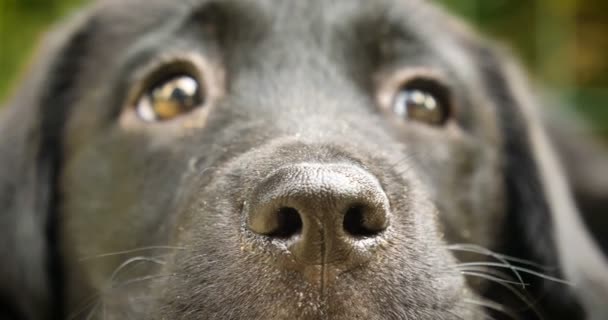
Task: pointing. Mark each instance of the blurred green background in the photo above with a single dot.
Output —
(564, 43)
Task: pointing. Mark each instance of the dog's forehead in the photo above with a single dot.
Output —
(309, 16)
(274, 8)
(343, 28)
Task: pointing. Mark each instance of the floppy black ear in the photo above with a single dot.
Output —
(30, 157)
(543, 222)
(585, 160)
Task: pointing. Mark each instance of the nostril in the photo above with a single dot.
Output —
(289, 223)
(355, 222)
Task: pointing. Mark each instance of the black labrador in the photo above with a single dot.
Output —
(290, 160)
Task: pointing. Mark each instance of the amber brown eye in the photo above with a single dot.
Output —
(170, 98)
(424, 101)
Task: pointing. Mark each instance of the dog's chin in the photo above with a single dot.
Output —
(300, 300)
(246, 289)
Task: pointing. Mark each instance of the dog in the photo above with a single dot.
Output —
(291, 160)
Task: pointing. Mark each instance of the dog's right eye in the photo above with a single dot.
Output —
(170, 98)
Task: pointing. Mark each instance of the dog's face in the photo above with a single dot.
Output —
(275, 160)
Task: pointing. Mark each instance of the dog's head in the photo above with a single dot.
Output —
(282, 159)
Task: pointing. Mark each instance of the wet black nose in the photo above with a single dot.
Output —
(321, 211)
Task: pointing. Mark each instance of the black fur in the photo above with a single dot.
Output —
(60, 97)
(528, 213)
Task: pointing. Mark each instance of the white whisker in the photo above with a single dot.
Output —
(525, 270)
(117, 253)
(486, 276)
(492, 306)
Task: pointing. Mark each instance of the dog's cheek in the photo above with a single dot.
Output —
(471, 199)
(464, 176)
(117, 195)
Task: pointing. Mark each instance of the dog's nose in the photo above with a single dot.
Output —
(320, 211)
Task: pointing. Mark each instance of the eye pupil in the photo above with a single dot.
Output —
(181, 89)
(170, 98)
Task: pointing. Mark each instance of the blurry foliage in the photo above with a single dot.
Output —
(563, 42)
(21, 24)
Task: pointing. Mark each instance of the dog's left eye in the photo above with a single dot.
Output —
(424, 101)
(170, 98)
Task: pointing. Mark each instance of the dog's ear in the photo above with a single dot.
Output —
(544, 223)
(585, 160)
(30, 156)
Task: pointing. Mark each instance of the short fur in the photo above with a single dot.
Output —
(110, 218)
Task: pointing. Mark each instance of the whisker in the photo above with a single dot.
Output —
(142, 279)
(522, 269)
(513, 290)
(480, 274)
(498, 257)
(133, 260)
(495, 273)
(116, 253)
(92, 301)
(484, 251)
(92, 312)
(492, 306)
